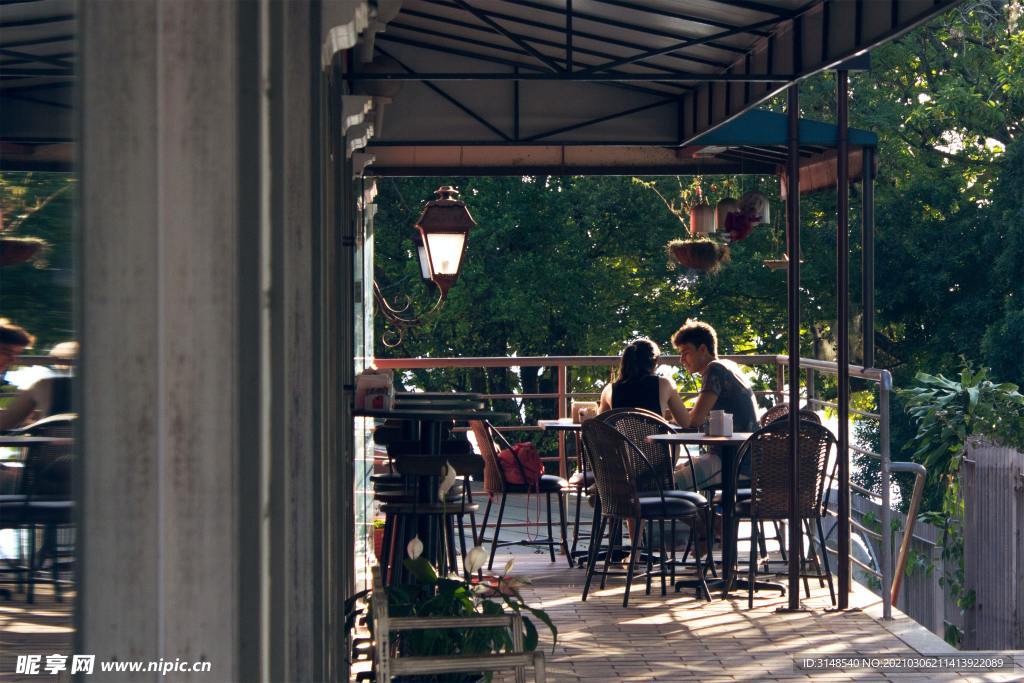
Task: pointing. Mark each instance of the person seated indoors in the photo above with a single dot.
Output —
(723, 387)
(636, 385)
(14, 339)
(47, 396)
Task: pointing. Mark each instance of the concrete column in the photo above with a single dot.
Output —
(199, 482)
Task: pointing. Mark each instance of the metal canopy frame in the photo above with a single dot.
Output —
(548, 70)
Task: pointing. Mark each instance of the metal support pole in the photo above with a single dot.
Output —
(867, 284)
(843, 330)
(793, 305)
(563, 411)
(884, 388)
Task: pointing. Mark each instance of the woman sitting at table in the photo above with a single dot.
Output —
(638, 387)
(723, 387)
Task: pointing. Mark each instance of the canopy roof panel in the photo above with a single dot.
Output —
(604, 72)
(38, 54)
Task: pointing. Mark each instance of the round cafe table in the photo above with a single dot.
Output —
(728, 456)
(428, 427)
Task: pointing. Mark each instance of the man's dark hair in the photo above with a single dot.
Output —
(15, 335)
(696, 333)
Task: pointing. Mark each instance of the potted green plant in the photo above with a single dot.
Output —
(430, 595)
(378, 539)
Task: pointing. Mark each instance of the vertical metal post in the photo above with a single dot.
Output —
(780, 383)
(793, 305)
(867, 284)
(884, 388)
(843, 330)
(938, 592)
(563, 390)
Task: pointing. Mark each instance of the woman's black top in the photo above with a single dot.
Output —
(640, 392)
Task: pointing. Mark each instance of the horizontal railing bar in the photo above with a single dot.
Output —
(873, 374)
(853, 411)
(537, 361)
(459, 663)
(865, 492)
(865, 452)
(425, 623)
(871, 570)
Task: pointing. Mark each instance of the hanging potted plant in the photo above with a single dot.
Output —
(703, 254)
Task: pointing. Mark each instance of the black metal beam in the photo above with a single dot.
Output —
(568, 36)
(37, 21)
(37, 86)
(17, 61)
(756, 7)
(706, 21)
(9, 95)
(26, 57)
(580, 76)
(793, 306)
(600, 119)
(46, 40)
(21, 72)
(455, 102)
(401, 40)
(484, 17)
(843, 333)
(610, 40)
(693, 42)
(616, 23)
(491, 45)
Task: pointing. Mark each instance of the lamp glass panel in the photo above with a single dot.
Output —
(445, 252)
(421, 253)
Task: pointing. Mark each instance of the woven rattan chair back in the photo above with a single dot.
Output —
(614, 470)
(770, 479)
(489, 441)
(47, 471)
(636, 425)
(780, 411)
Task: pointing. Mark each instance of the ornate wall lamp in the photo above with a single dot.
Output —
(440, 239)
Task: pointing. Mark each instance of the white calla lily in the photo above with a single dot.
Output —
(415, 548)
(475, 558)
(447, 480)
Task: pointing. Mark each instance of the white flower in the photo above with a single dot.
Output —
(508, 566)
(447, 481)
(475, 558)
(415, 548)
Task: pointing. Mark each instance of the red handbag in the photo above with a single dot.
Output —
(521, 465)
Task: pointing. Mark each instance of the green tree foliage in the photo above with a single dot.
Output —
(37, 294)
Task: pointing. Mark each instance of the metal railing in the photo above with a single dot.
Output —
(891, 578)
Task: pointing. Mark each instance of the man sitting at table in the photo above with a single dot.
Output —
(723, 387)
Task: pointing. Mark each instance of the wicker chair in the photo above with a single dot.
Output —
(620, 468)
(637, 424)
(770, 486)
(776, 413)
(490, 442)
(44, 502)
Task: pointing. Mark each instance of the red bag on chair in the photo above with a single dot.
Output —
(521, 465)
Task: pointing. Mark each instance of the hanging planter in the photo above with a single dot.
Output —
(19, 249)
(702, 219)
(704, 255)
